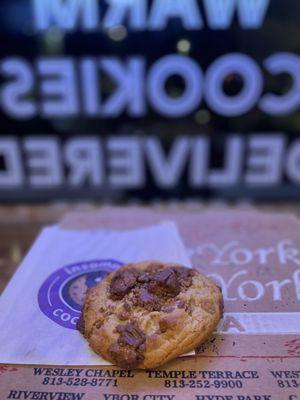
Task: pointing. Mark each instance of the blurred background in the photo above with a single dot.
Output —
(187, 102)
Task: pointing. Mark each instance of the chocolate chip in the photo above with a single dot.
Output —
(125, 357)
(143, 277)
(184, 275)
(145, 296)
(148, 300)
(128, 351)
(130, 335)
(151, 289)
(165, 283)
(121, 284)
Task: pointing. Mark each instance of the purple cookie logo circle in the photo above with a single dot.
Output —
(62, 295)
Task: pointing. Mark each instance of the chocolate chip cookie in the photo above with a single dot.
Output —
(145, 314)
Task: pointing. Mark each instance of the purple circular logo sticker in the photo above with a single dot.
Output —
(62, 295)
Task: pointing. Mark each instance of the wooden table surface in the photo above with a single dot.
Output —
(19, 225)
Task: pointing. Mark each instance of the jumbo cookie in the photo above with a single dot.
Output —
(144, 314)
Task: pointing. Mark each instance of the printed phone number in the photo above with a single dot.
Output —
(80, 382)
(293, 383)
(203, 384)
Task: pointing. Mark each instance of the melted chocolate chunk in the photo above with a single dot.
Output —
(130, 335)
(122, 283)
(128, 351)
(147, 300)
(165, 283)
(151, 289)
(185, 276)
(125, 357)
(143, 277)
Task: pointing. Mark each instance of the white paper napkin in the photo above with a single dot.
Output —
(37, 309)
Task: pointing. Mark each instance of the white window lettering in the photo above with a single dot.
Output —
(66, 14)
(12, 175)
(126, 169)
(216, 74)
(129, 91)
(167, 170)
(84, 158)
(118, 10)
(12, 94)
(293, 162)
(264, 162)
(91, 91)
(186, 10)
(58, 87)
(43, 160)
(251, 13)
(219, 13)
(233, 163)
(161, 71)
(289, 102)
(199, 161)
